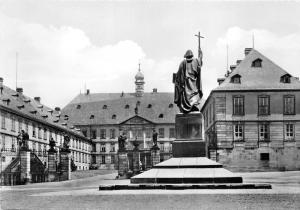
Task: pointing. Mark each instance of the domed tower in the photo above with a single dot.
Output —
(139, 83)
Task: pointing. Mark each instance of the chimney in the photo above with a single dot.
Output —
(247, 50)
(154, 90)
(220, 80)
(19, 90)
(87, 91)
(232, 67)
(238, 62)
(37, 99)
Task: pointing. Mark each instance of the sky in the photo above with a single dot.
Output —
(61, 47)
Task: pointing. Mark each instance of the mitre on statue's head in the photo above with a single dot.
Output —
(189, 55)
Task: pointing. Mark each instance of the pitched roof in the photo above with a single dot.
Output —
(32, 109)
(151, 105)
(266, 77)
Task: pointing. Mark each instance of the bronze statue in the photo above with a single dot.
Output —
(154, 137)
(23, 139)
(121, 141)
(52, 145)
(66, 144)
(188, 87)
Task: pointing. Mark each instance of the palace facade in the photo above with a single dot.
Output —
(252, 119)
(20, 112)
(101, 117)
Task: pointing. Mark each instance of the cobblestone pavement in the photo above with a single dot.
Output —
(84, 194)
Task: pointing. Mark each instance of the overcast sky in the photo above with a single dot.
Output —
(63, 45)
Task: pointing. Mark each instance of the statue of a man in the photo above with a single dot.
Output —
(66, 144)
(121, 141)
(23, 138)
(154, 137)
(188, 88)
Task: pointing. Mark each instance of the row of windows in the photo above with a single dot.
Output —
(263, 131)
(80, 157)
(139, 133)
(264, 105)
(78, 106)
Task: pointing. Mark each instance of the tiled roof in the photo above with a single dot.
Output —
(123, 106)
(32, 109)
(266, 77)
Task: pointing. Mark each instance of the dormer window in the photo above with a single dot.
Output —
(92, 116)
(236, 79)
(138, 103)
(113, 116)
(285, 78)
(78, 106)
(170, 105)
(161, 116)
(104, 107)
(149, 106)
(126, 106)
(256, 63)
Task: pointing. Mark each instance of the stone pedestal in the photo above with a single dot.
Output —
(189, 142)
(25, 165)
(136, 162)
(155, 155)
(122, 163)
(65, 166)
(52, 173)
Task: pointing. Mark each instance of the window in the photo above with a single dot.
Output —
(78, 106)
(264, 132)
(161, 133)
(257, 63)
(289, 132)
(20, 125)
(236, 79)
(289, 104)
(285, 78)
(171, 105)
(45, 134)
(264, 156)
(103, 159)
(92, 117)
(238, 105)
(102, 148)
(94, 134)
(112, 133)
(3, 121)
(33, 130)
(13, 124)
(39, 133)
(104, 107)
(172, 133)
(148, 133)
(112, 148)
(113, 116)
(238, 132)
(126, 106)
(102, 133)
(26, 127)
(161, 116)
(112, 159)
(149, 106)
(263, 105)
(161, 146)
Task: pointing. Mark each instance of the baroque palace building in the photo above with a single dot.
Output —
(20, 112)
(252, 119)
(102, 116)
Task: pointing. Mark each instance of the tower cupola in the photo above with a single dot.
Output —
(139, 83)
